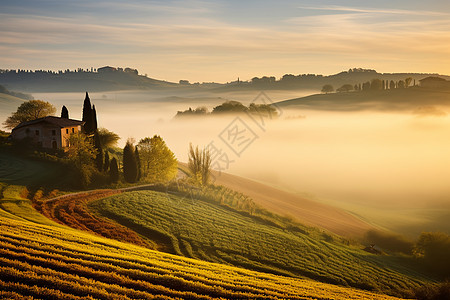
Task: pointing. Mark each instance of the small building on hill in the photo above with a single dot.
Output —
(48, 132)
(434, 82)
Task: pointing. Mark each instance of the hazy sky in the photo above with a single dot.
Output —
(221, 40)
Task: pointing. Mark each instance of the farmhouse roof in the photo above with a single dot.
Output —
(56, 121)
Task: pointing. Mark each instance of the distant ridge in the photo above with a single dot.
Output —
(115, 78)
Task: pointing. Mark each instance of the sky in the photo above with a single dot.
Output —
(204, 41)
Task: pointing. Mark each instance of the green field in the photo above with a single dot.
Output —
(203, 230)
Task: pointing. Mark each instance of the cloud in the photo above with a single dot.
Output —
(376, 11)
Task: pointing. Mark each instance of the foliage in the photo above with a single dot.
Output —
(94, 119)
(138, 163)
(64, 112)
(130, 169)
(230, 107)
(433, 291)
(376, 84)
(158, 162)
(327, 88)
(87, 115)
(107, 161)
(193, 112)
(199, 165)
(389, 242)
(108, 138)
(392, 85)
(113, 170)
(28, 111)
(263, 110)
(345, 88)
(81, 153)
(433, 249)
(99, 150)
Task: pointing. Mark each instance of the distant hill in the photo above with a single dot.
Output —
(105, 79)
(113, 79)
(8, 104)
(414, 98)
(315, 81)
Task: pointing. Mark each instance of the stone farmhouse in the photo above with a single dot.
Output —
(48, 132)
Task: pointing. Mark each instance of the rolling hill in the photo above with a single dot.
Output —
(410, 99)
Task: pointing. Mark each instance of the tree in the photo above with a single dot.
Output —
(113, 170)
(28, 111)
(99, 149)
(130, 171)
(366, 86)
(408, 81)
(107, 162)
(138, 163)
(107, 138)
(87, 115)
(327, 88)
(82, 153)
(158, 162)
(345, 88)
(64, 112)
(392, 85)
(199, 165)
(94, 119)
(434, 250)
(376, 84)
(230, 107)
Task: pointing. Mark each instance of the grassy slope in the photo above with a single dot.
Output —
(210, 232)
(388, 100)
(306, 211)
(43, 260)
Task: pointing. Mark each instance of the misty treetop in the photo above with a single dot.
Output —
(28, 111)
(232, 107)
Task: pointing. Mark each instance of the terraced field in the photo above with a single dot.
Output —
(49, 262)
(210, 232)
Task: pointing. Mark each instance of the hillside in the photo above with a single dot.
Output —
(288, 204)
(46, 262)
(410, 99)
(8, 104)
(40, 259)
(198, 229)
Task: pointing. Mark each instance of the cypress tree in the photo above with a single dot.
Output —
(130, 171)
(94, 119)
(99, 157)
(106, 164)
(138, 163)
(114, 170)
(64, 112)
(87, 114)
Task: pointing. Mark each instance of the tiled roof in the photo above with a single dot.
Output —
(56, 121)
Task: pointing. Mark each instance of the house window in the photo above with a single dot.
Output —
(67, 130)
(54, 145)
(53, 132)
(73, 130)
(37, 132)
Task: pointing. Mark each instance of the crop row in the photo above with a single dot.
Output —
(39, 261)
(203, 230)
